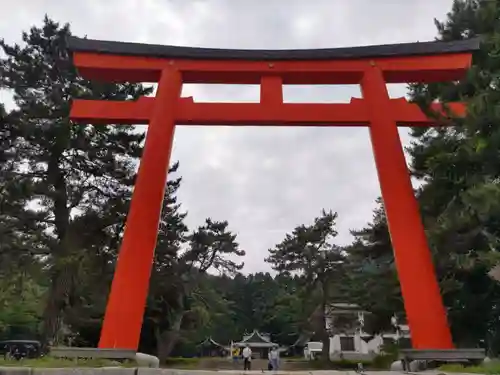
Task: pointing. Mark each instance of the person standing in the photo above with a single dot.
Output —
(247, 358)
(235, 355)
(274, 358)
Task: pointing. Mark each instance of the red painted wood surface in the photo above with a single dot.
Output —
(272, 113)
(396, 70)
(127, 299)
(422, 298)
(124, 313)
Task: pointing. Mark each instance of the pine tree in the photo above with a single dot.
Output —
(310, 251)
(75, 171)
(371, 276)
(20, 231)
(179, 297)
(460, 200)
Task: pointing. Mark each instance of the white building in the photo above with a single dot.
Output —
(348, 339)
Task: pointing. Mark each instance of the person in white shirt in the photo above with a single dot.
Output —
(274, 358)
(306, 353)
(247, 358)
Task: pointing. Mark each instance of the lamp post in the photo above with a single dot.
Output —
(361, 322)
(395, 324)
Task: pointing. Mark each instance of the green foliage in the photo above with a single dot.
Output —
(79, 175)
(181, 303)
(371, 273)
(21, 305)
(383, 361)
(389, 353)
(487, 368)
(460, 199)
(310, 252)
(180, 362)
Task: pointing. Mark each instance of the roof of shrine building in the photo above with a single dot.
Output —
(342, 307)
(256, 339)
(210, 342)
(174, 52)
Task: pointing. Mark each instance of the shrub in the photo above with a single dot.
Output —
(383, 361)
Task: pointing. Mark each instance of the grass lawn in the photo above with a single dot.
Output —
(492, 367)
(50, 362)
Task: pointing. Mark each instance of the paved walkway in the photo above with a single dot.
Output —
(318, 372)
(154, 371)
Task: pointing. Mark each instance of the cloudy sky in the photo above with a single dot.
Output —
(264, 181)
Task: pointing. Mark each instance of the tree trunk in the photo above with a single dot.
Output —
(59, 297)
(61, 278)
(165, 341)
(325, 337)
(55, 306)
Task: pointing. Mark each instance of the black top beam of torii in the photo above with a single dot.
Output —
(164, 51)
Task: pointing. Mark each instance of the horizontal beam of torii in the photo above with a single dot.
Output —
(189, 112)
(371, 67)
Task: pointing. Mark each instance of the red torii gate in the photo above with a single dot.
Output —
(371, 67)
